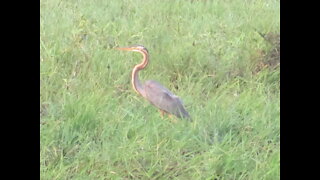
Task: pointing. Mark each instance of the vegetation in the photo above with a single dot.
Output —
(220, 57)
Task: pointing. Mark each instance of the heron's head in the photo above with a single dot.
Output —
(135, 48)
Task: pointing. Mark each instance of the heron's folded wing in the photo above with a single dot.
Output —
(165, 100)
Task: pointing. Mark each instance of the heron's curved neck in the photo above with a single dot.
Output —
(136, 83)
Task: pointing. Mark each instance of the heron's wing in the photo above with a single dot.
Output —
(164, 99)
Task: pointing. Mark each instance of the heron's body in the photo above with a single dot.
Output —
(153, 91)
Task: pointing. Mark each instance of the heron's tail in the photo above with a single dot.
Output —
(185, 115)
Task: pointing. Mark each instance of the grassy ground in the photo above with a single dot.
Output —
(210, 53)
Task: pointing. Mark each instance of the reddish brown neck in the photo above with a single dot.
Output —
(136, 83)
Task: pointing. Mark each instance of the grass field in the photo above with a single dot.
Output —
(210, 53)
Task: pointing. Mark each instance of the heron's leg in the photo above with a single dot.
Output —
(172, 118)
(162, 112)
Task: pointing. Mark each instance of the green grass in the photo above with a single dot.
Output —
(94, 126)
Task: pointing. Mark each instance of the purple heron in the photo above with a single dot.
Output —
(153, 91)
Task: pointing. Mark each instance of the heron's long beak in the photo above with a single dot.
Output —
(125, 48)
